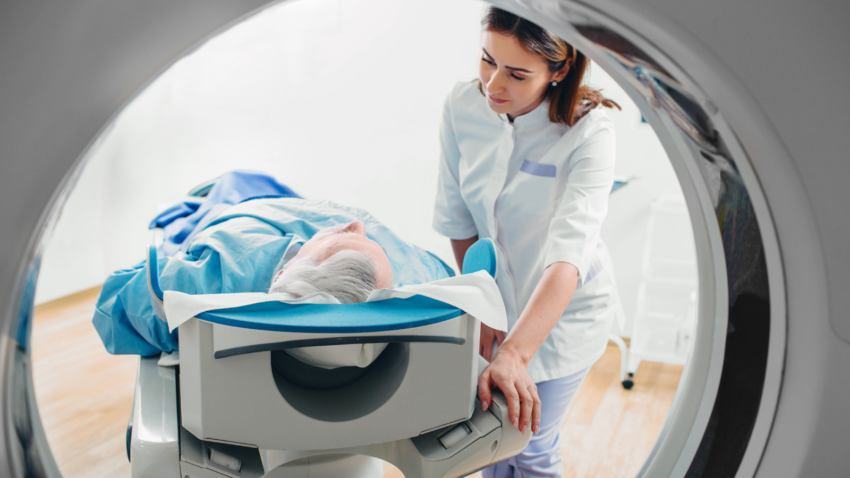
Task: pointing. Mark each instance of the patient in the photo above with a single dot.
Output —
(339, 261)
(247, 249)
(345, 264)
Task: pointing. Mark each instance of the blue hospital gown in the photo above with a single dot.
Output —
(238, 252)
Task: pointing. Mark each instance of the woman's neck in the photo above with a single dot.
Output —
(526, 110)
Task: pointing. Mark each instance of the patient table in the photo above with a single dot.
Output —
(236, 404)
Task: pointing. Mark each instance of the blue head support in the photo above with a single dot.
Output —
(481, 257)
(153, 283)
(153, 273)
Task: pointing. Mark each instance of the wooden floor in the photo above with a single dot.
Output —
(85, 395)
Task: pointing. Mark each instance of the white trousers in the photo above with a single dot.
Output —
(541, 458)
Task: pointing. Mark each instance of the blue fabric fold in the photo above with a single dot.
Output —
(175, 212)
(182, 221)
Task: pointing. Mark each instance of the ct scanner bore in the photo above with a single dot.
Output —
(746, 98)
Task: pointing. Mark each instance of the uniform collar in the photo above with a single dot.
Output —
(534, 118)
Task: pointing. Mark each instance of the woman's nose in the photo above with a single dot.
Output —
(495, 85)
(357, 227)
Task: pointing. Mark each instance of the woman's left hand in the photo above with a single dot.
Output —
(508, 372)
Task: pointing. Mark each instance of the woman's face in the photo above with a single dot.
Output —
(514, 78)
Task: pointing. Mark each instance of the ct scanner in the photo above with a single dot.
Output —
(748, 99)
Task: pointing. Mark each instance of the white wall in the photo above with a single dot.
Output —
(339, 100)
(641, 158)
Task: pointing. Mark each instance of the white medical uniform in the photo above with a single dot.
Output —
(540, 191)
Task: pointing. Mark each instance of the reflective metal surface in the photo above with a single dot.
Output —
(31, 456)
(659, 88)
(724, 434)
(67, 67)
(736, 226)
(736, 407)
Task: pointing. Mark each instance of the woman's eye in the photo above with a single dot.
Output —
(517, 77)
(485, 60)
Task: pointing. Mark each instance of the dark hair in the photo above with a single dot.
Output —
(569, 100)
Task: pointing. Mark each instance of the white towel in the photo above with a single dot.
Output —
(476, 294)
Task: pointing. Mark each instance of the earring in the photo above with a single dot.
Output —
(554, 83)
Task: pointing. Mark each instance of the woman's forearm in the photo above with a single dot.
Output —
(547, 303)
(459, 248)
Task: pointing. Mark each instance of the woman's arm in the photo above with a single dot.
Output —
(459, 247)
(451, 214)
(508, 370)
(547, 304)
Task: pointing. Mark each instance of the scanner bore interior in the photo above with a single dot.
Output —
(741, 316)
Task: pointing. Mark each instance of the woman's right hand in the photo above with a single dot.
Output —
(509, 373)
(485, 342)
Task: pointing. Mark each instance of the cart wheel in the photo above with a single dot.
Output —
(628, 384)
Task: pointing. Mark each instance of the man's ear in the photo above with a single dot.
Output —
(356, 227)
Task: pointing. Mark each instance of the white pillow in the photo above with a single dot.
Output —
(334, 356)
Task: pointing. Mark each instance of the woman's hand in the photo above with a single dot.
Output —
(508, 372)
(485, 343)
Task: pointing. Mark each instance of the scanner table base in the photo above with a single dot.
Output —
(160, 447)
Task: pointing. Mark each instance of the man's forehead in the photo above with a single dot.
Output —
(337, 229)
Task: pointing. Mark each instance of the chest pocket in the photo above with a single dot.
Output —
(537, 169)
(534, 188)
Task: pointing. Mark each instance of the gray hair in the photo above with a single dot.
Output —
(348, 276)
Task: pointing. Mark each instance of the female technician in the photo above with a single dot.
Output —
(528, 161)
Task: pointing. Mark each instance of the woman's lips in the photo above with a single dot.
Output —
(496, 100)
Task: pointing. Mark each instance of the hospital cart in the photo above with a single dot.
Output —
(665, 314)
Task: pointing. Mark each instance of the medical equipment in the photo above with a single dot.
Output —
(626, 375)
(722, 83)
(667, 293)
(243, 407)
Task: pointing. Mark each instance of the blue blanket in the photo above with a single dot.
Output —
(182, 221)
(238, 251)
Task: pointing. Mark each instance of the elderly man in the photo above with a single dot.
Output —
(340, 261)
(286, 244)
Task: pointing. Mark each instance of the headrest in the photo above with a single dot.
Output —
(480, 257)
(153, 273)
(310, 376)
